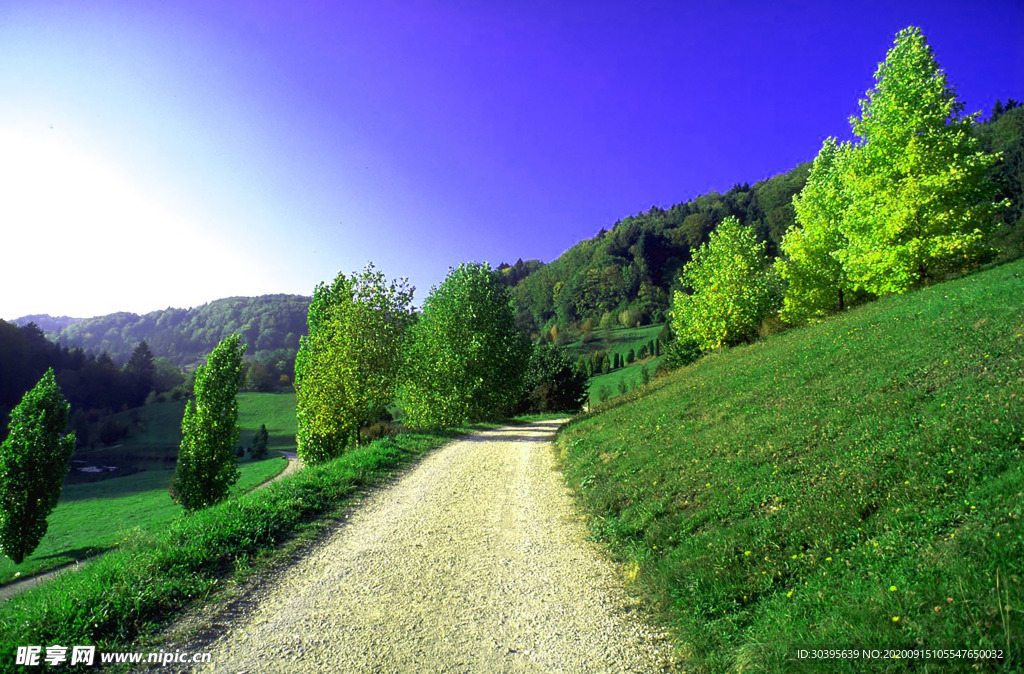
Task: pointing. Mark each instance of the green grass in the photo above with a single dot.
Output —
(95, 517)
(857, 483)
(630, 375)
(614, 340)
(276, 410)
(152, 576)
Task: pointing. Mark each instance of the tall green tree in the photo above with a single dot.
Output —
(733, 289)
(817, 283)
(920, 196)
(467, 356)
(207, 465)
(350, 364)
(34, 459)
(141, 370)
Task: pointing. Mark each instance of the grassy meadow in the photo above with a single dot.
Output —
(857, 483)
(616, 340)
(97, 512)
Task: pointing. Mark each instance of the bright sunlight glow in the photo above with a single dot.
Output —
(81, 231)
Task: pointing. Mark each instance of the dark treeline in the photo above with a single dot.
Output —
(625, 276)
(94, 385)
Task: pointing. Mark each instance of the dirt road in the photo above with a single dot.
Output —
(475, 561)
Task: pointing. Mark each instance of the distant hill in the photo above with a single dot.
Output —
(270, 325)
(46, 322)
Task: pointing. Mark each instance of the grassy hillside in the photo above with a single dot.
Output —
(858, 483)
(156, 431)
(616, 340)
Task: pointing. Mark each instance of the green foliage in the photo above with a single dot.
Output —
(816, 282)
(260, 442)
(811, 488)
(349, 365)
(95, 517)
(33, 462)
(630, 269)
(920, 198)
(467, 357)
(206, 462)
(681, 352)
(733, 289)
(270, 326)
(552, 383)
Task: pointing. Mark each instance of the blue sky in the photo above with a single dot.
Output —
(158, 154)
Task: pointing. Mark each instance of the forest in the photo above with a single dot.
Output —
(626, 275)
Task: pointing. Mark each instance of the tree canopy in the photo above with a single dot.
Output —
(733, 289)
(467, 356)
(920, 198)
(349, 365)
(34, 459)
(206, 466)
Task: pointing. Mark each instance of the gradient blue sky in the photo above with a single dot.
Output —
(158, 154)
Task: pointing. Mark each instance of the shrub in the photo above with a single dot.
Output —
(680, 352)
(552, 383)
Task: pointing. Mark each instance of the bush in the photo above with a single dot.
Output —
(680, 353)
(380, 429)
(552, 383)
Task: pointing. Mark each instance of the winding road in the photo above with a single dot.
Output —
(476, 560)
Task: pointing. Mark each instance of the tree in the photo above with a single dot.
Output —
(349, 365)
(733, 289)
(206, 461)
(467, 356)
(258, 446)
(920, 197)
(34, 459)
(552, 383)
(817, 283)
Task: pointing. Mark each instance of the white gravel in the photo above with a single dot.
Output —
(477, 560)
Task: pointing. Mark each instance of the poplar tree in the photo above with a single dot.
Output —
(207, 466)
(34, 459)
(817, 283)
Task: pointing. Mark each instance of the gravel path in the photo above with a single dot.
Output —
(475, 561)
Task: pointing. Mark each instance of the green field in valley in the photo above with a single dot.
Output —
(94, 516)
(856, 483)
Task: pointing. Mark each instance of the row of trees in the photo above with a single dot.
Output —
(908, 204)
(461, 359)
